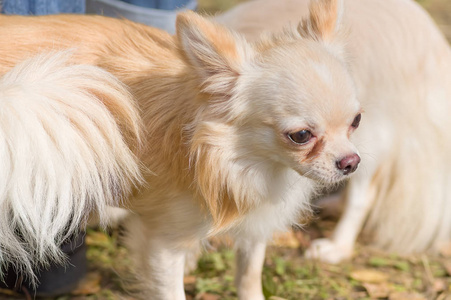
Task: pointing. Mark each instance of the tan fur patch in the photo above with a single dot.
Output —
(221, 38)
(322, 22)
(323, 17)
(316, 150)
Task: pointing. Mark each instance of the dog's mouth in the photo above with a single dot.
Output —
(332, 172)
(325, 177)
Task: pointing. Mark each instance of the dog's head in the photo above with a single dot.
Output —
(287, 101)
(303, 110)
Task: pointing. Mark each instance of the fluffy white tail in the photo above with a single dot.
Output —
(68, 136)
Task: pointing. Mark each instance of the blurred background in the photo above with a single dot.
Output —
(439, 9)
(441, 12)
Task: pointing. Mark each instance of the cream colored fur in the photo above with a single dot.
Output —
(63, 154)
(219, 115)
(401, 65)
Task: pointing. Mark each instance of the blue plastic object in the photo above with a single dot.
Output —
(42, 7)
(159, 4)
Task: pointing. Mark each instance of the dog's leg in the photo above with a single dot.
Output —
(250, 258)
(159, 262)
(340, 246)
(191, 258)
(166, 273)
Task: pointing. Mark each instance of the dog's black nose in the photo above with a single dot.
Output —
(348, 164)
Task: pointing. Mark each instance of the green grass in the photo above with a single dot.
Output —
(286, 274)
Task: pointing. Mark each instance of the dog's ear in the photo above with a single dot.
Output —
(324, 22)
(216, 53)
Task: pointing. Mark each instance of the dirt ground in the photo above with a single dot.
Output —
(371, 274)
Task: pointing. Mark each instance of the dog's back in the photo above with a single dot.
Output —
(90, 37)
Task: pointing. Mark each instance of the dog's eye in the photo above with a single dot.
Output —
(356, 121)
(300, 137)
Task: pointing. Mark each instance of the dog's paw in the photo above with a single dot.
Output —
(328, 251)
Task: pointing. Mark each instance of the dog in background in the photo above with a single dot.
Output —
(401, 64)
(238, 136)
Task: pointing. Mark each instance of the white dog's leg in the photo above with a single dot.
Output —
(341, 245)
(166, 273)
(250, 258)
(159, 263)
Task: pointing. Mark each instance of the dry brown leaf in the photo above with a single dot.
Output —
(406, 296)
(276, 298)
(444, 296)
(88, 285)
(439, 285)
(190, 279)
(369, 276)
(207, 296)
(8, 292)
(447, 266)
(96, 239)
(381, 290)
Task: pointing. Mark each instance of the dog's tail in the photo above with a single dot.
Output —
(69, 135)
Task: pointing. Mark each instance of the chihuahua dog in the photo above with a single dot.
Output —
(237, 135)
(401, 64)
